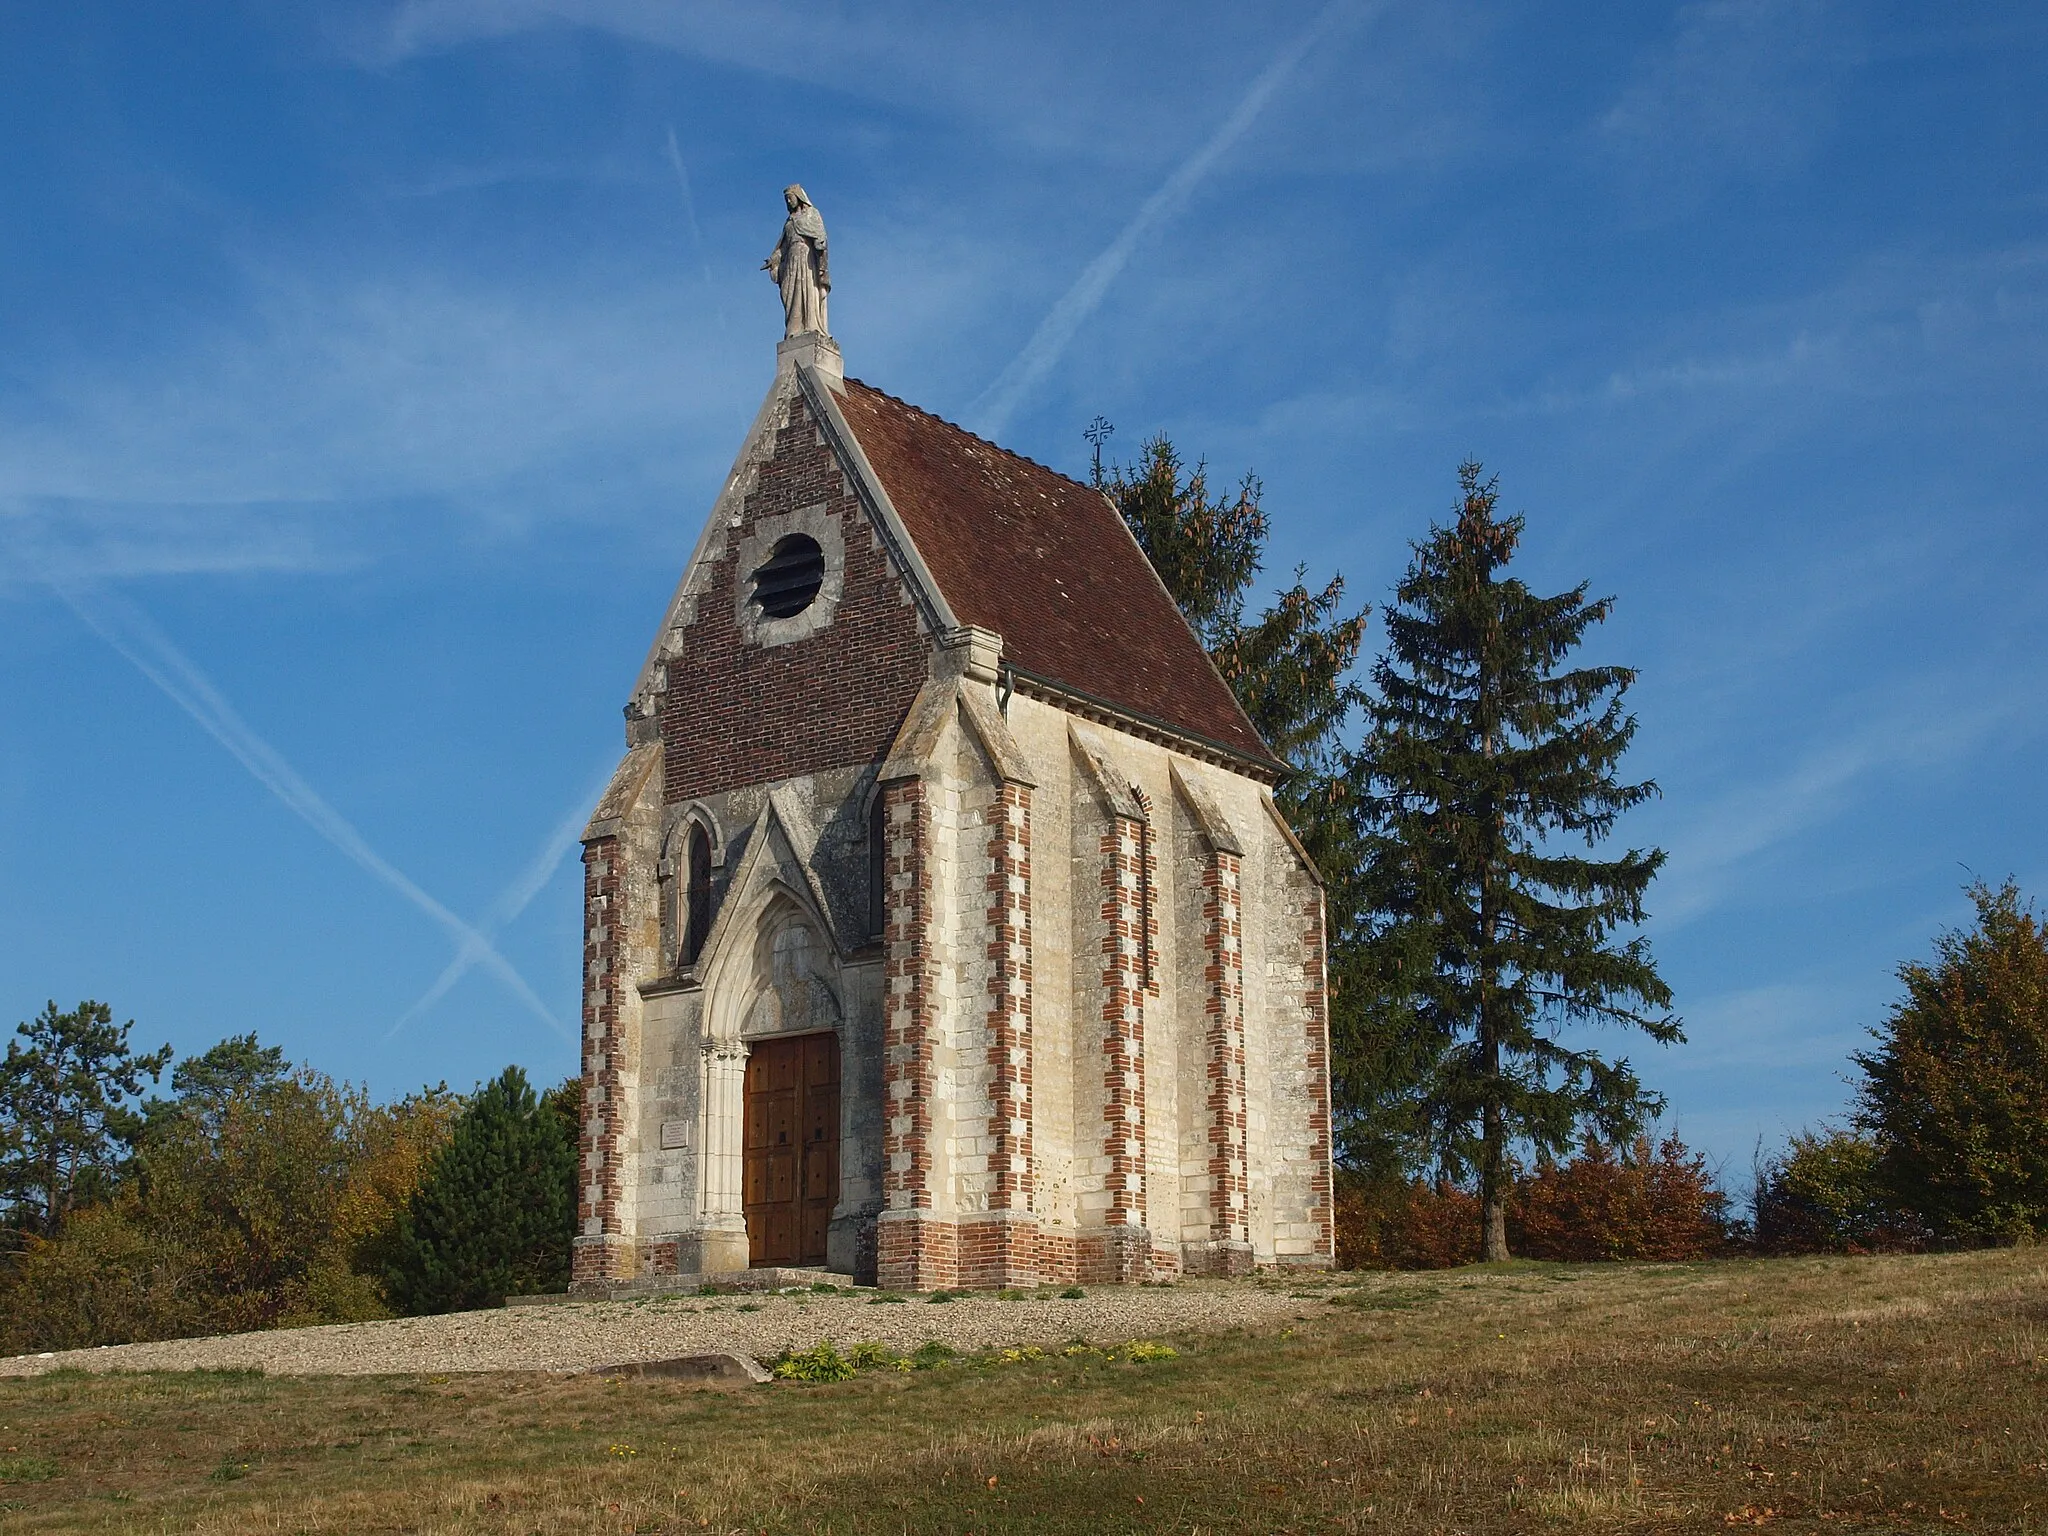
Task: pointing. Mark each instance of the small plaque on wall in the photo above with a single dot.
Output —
(674, 1133)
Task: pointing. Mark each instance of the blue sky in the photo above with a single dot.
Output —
(366, 371)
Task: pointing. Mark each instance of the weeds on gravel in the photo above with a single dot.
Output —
(821, 1362)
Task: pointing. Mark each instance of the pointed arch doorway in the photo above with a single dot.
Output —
(790, 1180)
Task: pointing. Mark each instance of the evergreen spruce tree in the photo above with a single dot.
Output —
(1291, 666)
(495, 1215)
(1486, 755)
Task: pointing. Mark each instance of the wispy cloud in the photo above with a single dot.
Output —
(1049, 342)
(323, 385)
(131, 633)
(1740, 86)
(1929, 728)
(675, 160)
(510, 903)
(1106, 84)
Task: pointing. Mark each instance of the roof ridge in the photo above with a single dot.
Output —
(967, 432)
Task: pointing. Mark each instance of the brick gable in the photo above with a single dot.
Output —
(737, 713)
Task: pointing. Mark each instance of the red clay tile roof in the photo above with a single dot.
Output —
(1046, 563)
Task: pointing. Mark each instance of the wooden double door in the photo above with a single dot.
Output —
(791, 1177)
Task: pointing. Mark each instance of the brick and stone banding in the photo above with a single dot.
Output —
(1223, 1018)
(1125, 1254)
(603, 1250)
(1008, 1252)
(912, 1250)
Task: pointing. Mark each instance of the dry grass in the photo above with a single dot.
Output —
(1879, 1394)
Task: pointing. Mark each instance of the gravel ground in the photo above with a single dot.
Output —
(579, 1336)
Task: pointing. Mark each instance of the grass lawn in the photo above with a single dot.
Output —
(1878, 1394)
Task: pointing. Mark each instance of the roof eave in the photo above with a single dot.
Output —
(1267, 770)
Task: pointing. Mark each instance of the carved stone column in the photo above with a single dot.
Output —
(720, 1241)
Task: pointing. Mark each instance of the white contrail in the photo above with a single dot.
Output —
(1029, 367)
(156, 658)
(512, 901)
(675, 158)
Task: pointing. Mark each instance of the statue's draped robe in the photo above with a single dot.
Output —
(798, 266)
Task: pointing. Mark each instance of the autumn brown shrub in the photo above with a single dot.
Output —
(1392, 1223)
(1650, 1200)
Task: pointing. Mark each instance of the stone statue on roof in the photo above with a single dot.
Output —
(799, 266)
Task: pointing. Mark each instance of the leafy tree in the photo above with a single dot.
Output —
(247, 1185)
(259, 1197)
(67, 1117)
(237, 1068)
(1956, 1093)
(496, 1213)
(1484, 753)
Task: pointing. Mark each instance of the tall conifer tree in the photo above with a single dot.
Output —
(1291, 666)
(1486, 757)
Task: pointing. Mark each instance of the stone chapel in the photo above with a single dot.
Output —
(940, 928)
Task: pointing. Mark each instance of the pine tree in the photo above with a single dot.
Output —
(68, 1121)
(496, 1213)
(1956, 1093)
(1485, 755)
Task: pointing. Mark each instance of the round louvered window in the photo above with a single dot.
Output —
(790, 577)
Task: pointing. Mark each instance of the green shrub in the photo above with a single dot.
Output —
(870, 1356)
(106, 1280)
(1823, 1195)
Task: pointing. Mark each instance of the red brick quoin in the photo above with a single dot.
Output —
(1223, 971)
(912, 1251)
(605, 1254)
(1006, 1252)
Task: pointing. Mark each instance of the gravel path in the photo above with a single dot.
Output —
(579, 1336)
